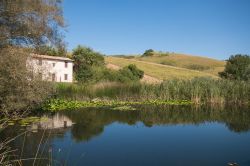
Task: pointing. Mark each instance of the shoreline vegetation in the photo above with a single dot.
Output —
(196, 91)
(25, 93)
(61, 105)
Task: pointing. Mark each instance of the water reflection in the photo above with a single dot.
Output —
(81, 126)
(91, 123)
(88, 123)
(56, 121)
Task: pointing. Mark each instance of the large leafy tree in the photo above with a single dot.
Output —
(25, 25)
(237, 68)
(32, 23)
(85, 60)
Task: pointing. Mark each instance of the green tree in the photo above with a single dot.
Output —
(25, 24)
(237, 68)
(31, 23)
(85, 60)
(149, 52)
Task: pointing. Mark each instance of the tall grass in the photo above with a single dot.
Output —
(197, 90)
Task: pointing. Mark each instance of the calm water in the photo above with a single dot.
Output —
(157, 136)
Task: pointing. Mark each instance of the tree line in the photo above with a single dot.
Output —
(37, 26)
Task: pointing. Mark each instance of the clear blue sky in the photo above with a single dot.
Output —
(213, 28)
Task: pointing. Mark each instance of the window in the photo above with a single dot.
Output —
(66, 64)
(54, 64)
(40, 62)
(65, 76)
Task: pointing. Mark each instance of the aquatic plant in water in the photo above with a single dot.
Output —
(24, 121)
(124, 108)
(60, 104)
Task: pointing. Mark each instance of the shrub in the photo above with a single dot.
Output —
(19, 89)
(149, 52)
(237, 68)
(95, 74)
(130, 73)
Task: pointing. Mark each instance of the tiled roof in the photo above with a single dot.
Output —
(50, 57)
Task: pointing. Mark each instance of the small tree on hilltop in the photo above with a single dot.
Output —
(149, 52)
(237, 68)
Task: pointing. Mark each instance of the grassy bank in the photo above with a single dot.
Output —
(197, 90)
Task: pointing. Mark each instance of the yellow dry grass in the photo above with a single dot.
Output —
(159, 71)
(185, 61)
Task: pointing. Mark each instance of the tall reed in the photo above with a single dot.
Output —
(197, 90)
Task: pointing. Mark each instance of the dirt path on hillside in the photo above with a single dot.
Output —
(146, 78)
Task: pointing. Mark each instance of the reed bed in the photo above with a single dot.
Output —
(197, 90)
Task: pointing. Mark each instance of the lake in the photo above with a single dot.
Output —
(149, 135)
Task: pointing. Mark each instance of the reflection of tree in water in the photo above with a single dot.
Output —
(91, 123)
(85, 131)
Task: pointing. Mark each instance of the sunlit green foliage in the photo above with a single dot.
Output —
(89, 67)
(130, 73)
(237, 68)
(85, 59)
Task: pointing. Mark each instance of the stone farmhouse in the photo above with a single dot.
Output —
(51, 68)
